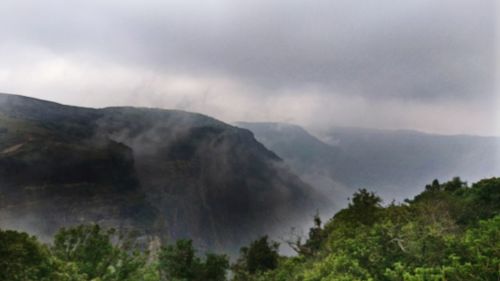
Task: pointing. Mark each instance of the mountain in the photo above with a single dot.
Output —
(397, 164)
(312, 159)
(161, 173)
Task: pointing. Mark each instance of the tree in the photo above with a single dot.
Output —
(89, 248)
(313, 243)
(363, 208)
(338, 267)
(179, 262)
(23, 258)
(435, 186)
(483, 249)
(455, 184)
(316, 237)
(261, 256)
(215, 268)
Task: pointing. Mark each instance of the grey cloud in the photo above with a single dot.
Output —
(417, 50)
(418, 64)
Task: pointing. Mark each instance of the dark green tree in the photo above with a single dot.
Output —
(434, 186)
(455, 184)
(23, 258)
(179, 262)
(316, 237)
(214, 268)
(261, 256)
(364, 208)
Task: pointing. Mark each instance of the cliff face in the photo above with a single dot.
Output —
(167, 173)
(55, 171)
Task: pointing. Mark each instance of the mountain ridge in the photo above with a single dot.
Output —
(391, 162)
(171, 174)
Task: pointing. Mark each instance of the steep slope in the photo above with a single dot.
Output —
(288, 138)
(312, 159)
(393, 163)
(167, 173)
(53, 172)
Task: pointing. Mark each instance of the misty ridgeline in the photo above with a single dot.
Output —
(128, 193)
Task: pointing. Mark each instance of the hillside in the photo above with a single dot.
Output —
(163, 173)
(312, 159)
(395, 164)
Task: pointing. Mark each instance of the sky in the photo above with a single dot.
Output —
(417, 64)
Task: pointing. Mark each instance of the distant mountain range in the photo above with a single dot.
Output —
(395, 163)
(161, 173)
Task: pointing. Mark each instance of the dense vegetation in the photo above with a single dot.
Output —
(449, 232)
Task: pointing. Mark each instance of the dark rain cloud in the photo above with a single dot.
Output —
(397, 49)
(422, 51)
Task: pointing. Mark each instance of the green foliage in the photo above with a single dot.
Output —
(483, 249)
(86, 246)
(215, 268)
(314, 241)
(364, 208)
(449, 232)
(337, 267)
(89, 249)
(23, 258)
(261, 256)
(179, 262)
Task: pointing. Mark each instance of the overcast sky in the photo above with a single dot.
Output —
(418, 64)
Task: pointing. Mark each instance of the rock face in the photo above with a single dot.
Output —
(312, 159)
(165, 173)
